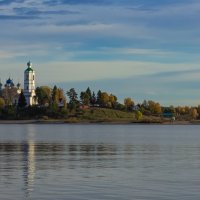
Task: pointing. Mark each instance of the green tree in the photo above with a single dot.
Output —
(73, 99)
(99, 97)
(94, 99)
(85, 99)
(22, 100)
(89, 93)
(55, 95)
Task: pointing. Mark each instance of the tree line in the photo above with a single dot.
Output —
(52, 102)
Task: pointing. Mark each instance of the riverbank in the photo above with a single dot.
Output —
(64, 121)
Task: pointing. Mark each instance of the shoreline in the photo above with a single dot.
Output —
(98, 122)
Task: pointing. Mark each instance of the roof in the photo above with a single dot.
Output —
(9, 81)
(29, 69)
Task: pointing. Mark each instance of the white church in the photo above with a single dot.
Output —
(11, 93)
(29, 85)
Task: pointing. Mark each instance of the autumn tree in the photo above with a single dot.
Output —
(44, 95)
(187, 109)
(198, 109)
(104, 99)
(129, 103)
(193, 113)
(9, 94)
(154, 107)
(113, 100)
(2, 103)
(138, 115)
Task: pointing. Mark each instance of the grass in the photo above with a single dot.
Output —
(105, 115)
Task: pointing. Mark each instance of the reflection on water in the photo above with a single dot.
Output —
(92, 167)
(29, 166)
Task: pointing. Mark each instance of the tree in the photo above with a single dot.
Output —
(104, 99)
(44, 95)
(172, 109)
(94, 99)
(73, 99)
(22, 100)
(157, 108)
(129, 103)
(154, 107)
(138, 115)
(198, 109)
(85, 99)
(193, 113)
(2, 103)
(89, 93)
(55, 95)
(8, 94)
(145, 104)
(113, 100)
(187, 109)
(99, 97)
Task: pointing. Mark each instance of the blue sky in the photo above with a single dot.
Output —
(144, 49)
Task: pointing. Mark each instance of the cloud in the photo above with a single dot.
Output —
(4, 54)
(151, 87)
(8, 2)
(154, 43)
(19, 17)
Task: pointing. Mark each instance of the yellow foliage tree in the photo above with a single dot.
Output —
(193, 112)
(104, 98)
(2, 103)
(129, 103)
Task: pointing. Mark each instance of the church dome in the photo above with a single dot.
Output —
(29, 69)
(9, 82)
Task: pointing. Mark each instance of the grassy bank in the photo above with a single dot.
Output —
(105, 115)
(100, 115)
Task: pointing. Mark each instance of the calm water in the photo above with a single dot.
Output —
(92, 162)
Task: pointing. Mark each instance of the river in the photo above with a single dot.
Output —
(99, 162)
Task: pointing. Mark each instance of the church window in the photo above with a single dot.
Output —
(26, 77)
(33, 77)
(27, 87)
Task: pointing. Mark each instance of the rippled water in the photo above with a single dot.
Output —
(99, 162)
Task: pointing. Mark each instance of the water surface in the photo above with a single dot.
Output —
(91, 162)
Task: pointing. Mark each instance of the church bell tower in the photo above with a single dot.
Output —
(29, 85)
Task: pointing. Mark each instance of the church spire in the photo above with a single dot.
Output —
(29, 64)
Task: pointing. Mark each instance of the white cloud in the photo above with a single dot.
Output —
(81, 71)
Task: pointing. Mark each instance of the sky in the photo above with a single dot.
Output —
(143, 49)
